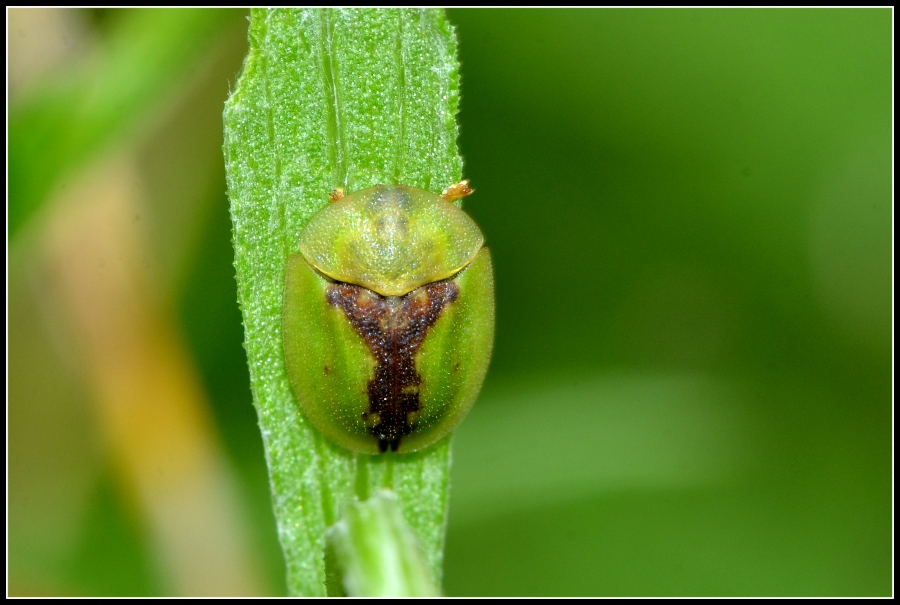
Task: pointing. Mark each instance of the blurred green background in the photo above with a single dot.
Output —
(690, 214)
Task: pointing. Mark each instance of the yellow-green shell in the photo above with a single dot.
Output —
(383, 248)
(329, 365)
(390, 239)
(398, 243)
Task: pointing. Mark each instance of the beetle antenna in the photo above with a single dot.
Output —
(454, 192)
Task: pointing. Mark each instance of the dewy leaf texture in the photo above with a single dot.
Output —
(332, 98)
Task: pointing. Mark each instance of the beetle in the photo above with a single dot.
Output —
(388, 317)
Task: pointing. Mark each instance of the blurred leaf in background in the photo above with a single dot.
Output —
(125, 359)
(690, 213)
(691, 216)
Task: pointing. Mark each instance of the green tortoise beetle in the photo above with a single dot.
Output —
(388, 317)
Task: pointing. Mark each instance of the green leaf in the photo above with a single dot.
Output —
(332, 98)
(376, 553)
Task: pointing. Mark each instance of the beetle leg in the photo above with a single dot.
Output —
(456, 191)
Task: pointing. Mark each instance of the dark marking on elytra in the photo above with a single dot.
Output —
(394, 328)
